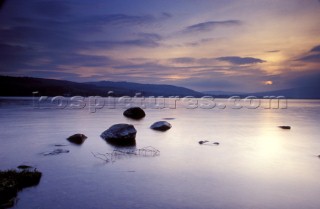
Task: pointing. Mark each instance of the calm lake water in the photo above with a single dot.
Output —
(256, 166)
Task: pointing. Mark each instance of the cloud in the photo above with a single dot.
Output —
(54, 9)
(214, 62)
(273, 51)
(122, 19)
(76, 59)
(315, 49)
(14, 56)
(183, 60)
(208, 84)
(240, 60)
(150, 36)
(1, 3)
(210, 25)
(50, 74)
(199, 42)
(312, 56)
(139, 42)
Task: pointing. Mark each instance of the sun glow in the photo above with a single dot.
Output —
(268, 82)
(175, 77)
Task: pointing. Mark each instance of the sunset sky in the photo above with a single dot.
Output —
(221, 45)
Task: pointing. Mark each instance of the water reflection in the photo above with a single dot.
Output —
(270, 140)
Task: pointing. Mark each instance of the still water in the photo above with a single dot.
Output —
(256, 166)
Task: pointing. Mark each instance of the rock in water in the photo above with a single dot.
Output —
(120, 134)
(134, 113)
(285, 127)
(77, 138)
(161, 126)
(12, 181)
(202, 142)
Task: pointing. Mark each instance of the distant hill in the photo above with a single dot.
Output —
(149, 89)
(24, 86)
(307, 92)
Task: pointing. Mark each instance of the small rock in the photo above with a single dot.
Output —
(77, 138)
(134, 113)
(60, 145)
(285, 127)
(56, 152)
(120, 134)
(168, 118)
(161, 126)
(216, 143)
(202, 142)
(318, 156)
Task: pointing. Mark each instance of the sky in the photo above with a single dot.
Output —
(205, 45)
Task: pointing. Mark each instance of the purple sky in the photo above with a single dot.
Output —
(225, 45)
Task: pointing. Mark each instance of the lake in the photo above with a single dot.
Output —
(256, 164)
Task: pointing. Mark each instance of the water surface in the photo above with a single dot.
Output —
(257, 165)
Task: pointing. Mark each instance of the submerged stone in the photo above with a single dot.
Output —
(56, 152)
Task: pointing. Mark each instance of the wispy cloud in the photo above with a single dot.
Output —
(199, 42)
(315, 49)
(210, 25)
(183, 60)
(214, 61)
(273, 51)
(123, 19)
(143, 40)
(241, 60)
(312, 56)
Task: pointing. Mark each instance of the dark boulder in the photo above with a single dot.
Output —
(161, 126)
(120, 135)
(77, 138)
(134, 113)
(12, 181)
